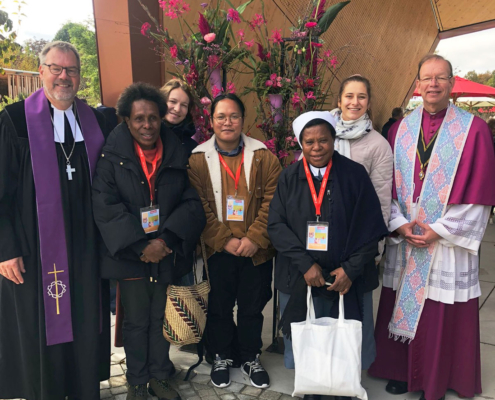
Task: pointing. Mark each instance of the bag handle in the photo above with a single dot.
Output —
(205, 261)
(341, 310)
(310, 314)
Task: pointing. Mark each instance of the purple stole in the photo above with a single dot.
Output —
(416, 262)
(53, 246)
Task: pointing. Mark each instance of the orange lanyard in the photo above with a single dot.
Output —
(317, 200)
(149, 175)
(237, 174)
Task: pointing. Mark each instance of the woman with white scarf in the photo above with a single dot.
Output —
(357, 140)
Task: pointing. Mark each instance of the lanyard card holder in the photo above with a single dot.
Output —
(150, 218)
(235, 208)
(317, 236)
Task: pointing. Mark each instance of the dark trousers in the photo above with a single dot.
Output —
(145, 347)
(237, 279)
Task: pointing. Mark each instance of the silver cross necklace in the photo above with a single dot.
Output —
(69, 168)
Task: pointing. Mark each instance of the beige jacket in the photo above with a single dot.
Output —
(374, 153)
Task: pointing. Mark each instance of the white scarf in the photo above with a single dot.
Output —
(349, 130)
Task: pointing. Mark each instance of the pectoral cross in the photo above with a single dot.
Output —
(56, 284)
(70, 170)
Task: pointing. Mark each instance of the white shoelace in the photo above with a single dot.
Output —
(219, 364)
(255, 366)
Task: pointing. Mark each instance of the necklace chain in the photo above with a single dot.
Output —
(74, 134)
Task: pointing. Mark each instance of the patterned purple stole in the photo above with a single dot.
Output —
(416, 262)
(53, 246)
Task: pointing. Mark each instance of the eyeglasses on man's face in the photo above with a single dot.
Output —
(438, 79)
(222, 119)
(57, 70)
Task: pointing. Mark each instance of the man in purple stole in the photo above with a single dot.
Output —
(54, 325)
(436, 347)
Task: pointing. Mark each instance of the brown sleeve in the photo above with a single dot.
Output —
(257, 232)
(216, 234)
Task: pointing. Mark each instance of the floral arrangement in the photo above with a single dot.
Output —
(290, 74)
(200, 54)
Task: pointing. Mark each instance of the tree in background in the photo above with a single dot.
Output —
(7, 39)
(83, 37)
(24, 58)
(485, 78)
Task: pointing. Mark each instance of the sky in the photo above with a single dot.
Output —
(45, 17)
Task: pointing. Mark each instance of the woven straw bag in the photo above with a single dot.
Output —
(186, 309)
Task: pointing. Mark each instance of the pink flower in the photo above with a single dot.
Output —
(273, 77)
(296, 100)
(310, 95)
(215, 91)
(209, 37)
(269, 83)
(318, 12)
(240, 33)
(282, 154)
(249, 44)
(145, 28)
(276, 36)
(174, 8)
(173, 51)
(203, 25)
(257, 21)
(334, 62)
(233, 15)
(316, 44)
(319, 61)
(204, 5)
(205, 101)
(310, 25)
(231, 87)
(214, 61)
(327, 53)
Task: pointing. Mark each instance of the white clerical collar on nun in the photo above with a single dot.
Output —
(315, 170)
(59, 125)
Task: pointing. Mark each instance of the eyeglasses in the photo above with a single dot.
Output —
(234, 119)
(439, 79)
(57, 70)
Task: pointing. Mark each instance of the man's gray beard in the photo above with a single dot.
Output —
(61, 96)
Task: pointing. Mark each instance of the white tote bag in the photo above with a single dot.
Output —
(327, 354)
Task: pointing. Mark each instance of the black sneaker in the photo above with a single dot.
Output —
(257, 374)
(161, 388)
(220, 376)
(136, 392)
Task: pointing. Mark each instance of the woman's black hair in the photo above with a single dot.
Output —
(140, 91)
(228, 96)
(319, 121)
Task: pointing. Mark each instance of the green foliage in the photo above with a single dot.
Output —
(8, 39)
(6, 100)
(485, 78)
(83, 37)
(330, 14)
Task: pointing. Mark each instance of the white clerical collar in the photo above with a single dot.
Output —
(315, 170)
(59, 125)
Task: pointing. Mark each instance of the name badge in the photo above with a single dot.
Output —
(317, 236)
(235, 208)
(150, 218)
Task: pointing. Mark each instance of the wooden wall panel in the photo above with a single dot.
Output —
(457, 13)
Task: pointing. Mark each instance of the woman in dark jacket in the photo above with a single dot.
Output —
(150, 219)
(180, 104)
(334, 241)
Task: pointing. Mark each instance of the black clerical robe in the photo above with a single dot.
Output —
(29, 368)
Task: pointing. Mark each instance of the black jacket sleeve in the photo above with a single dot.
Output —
(10, 245)
(183, 227)
(119, 228)
(282, 237)
(356, 264)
